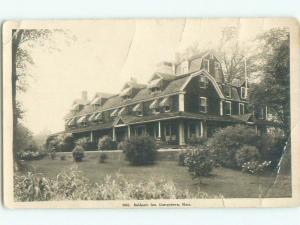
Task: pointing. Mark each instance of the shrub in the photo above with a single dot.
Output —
(140, 150)
(53, 155)
(68, 143)
(246, 154)
(103, 157)
(255, 167)
(199, 162)
(29, 155)
(194, 141)
(78, 153)
(121, 145)
(62, 157)
(181, 158)
(106, 143)
(86, 144)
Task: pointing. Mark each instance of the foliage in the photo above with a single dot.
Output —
(78, 153)
(23, 139)
(140, 150)
(197, 141)
(106, 143)
(63, 157)
(246, 154)
(31, 155)
(182, 157)
(255, 167)
(225, 143)
(72, 185)
(52, 155)
(274, 88)
(103, 157)
(198, 162)
(121, 145)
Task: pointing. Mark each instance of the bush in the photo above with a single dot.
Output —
(194, 141)
(78, 153)
(246, 154)
(199, 162)
(106, 143)
(121, 145)
(181, 158)
(53, 155)
(86, 144)
(140, 150)
(255, 167)
(30, 155)
(62, 157)
(103, 157)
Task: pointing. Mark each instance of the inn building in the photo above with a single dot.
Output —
(180, 102)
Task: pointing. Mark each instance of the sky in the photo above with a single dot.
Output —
(101, 55)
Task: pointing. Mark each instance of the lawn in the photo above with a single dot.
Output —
(227, 182)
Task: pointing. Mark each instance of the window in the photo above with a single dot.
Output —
(167, 108)
(139, 113)
(203, 82)
(138, 109)
(211, 56)
(155, 110)
(206, 65)
(203, 104)
(227, 91)
(227, 108)
(155, 89)
(261, 113)
(243, 92)
(241, 109)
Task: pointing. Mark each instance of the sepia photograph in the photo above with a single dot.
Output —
(151, 113)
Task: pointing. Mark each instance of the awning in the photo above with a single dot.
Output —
(96, 101)
(154, 83)
(72, 122)
(126, 92)
(91, 118)
(98, 116)
(122, 111)
(154, 104)
(137, 108)
(114, 113)
(82, 119)
(165, 102)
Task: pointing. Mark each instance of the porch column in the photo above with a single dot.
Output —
(91, 136)
(181, 103)
(128, 131)
(221, 107)
(204, 129)
(201, 129)
(181, 133)
(159, 130)
(113, 134)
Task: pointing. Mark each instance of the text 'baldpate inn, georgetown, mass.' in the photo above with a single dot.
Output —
(163, 113)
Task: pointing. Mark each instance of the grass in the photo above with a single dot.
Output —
(227, 182)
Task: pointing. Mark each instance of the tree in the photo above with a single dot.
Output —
(22, 41)
(274, 88)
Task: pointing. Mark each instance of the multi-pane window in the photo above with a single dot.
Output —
(243, 92)
(203, 104)
(241, 109)
(203, 82)
(227, 91)
(206, 65)
(227, 108)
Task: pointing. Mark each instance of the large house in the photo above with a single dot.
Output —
(180, 101)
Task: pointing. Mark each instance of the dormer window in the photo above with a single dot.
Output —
(227, 108)
(126, 93)
(243, 92)
(122, 111)
(203, 104)
(71, 122)
(154, 106)
(138, 109)
(203, 82)
(227, 91)
(82, 121)
(114, 113)
(211, 56)
(206, 65)
(98, 117)
(155, 85)
(166, 104)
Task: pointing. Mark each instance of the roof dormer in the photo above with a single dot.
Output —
(130, 89)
